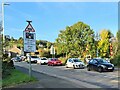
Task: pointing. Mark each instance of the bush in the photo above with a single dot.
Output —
(116, 60)
(7, 66)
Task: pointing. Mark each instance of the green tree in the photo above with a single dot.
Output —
(104, 43)
(116, 58)
(20, 43)
(74, 39)
(118, 40)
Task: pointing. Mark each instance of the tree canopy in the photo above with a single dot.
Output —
(75, 39)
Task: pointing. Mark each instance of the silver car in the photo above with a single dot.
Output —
(75, 63)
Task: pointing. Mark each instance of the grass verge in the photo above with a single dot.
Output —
(17, 77)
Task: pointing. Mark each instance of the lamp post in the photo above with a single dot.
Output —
(3, 19)
(97, 39)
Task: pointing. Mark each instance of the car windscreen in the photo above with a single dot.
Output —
(77, 60)
(17, 57)
(102, 61)
(34, 57)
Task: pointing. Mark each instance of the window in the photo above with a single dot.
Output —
(94, 61)
(77, 60)
(91, 61)
(34, 57)
(70, 60)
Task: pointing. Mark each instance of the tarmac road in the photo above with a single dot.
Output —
(61, 77)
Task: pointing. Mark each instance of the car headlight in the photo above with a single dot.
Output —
(112, 65)
(103, 66)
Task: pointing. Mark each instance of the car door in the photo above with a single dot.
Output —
(71, 63)
(90, 64)
(95, 64)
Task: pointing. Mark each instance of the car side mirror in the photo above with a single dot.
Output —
(96, 63)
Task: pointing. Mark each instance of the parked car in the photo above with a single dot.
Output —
(23, 58)
(54, 61)
(42, 60)
(75, 63)
(17, 59)
(100, 65)
(34, 59)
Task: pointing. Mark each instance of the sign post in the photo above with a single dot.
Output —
(52, 51)
(29, 43)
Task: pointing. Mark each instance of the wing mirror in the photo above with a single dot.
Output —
(72, 62)
(96, 63)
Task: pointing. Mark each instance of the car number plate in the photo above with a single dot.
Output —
(110, 68)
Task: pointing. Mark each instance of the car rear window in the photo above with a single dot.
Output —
(43, 58)
(34, 57)
(77, 60)
(54, 59)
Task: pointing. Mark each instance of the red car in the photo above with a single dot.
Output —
(54, 61)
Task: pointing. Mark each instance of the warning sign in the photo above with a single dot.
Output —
(29, 39)
(29, 28)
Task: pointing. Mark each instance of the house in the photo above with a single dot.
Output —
(14, 51)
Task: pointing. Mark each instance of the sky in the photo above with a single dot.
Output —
(48, 18)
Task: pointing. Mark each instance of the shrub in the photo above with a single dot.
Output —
(7, 66)
(116, 60)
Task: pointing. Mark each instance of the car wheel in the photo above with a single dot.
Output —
(88, 68)
(111, 70)
(66, 66)
(73, 66)
(99, 69)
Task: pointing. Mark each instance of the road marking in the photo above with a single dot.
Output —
(114, 81)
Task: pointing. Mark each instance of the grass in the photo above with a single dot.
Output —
(16, 78)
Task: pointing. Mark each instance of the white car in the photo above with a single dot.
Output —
(34, 59)
(42, 60)
(75, 63)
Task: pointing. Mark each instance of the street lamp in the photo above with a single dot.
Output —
(97, 39)
(3, 18)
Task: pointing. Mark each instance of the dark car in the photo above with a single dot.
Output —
(17, 59)
(54, 61)
(99, 65)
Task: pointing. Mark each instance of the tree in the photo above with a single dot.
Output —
(104, 43)
(20, 43)
(74, 40)
(116, 58)
(118, 40)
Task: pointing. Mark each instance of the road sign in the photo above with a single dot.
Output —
(29, 28)
(52, 50)
(29, 39)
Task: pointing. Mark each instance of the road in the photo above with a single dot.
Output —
(74, 78)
